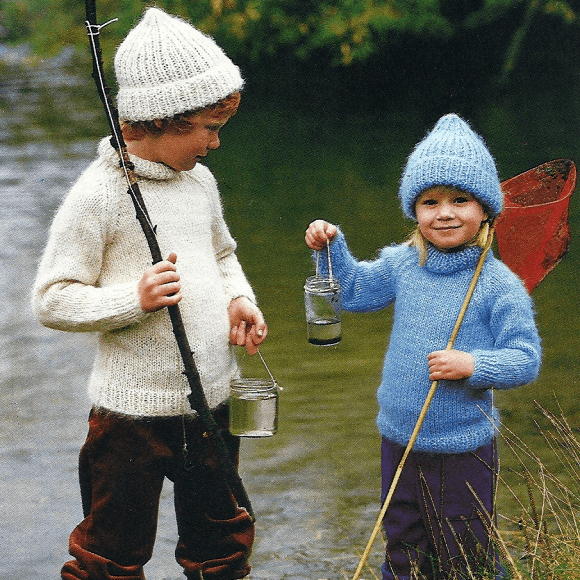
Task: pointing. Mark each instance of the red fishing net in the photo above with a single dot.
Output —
(532, 232)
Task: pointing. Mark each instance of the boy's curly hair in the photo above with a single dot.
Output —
(180, 124)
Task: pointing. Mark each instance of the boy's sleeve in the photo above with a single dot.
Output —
(234, 280)
(65, 295)
(516, 357)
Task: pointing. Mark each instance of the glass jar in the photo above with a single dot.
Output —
(323, 304)
(253, 407)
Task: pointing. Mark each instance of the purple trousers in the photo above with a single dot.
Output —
(123, 464)
(436, 526)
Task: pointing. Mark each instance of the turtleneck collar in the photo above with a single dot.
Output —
(143, 168)
(451, 262)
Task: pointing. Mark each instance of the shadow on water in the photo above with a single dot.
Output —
(315, 485)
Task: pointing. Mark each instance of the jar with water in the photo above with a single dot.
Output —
(323, 304)
(254, 406)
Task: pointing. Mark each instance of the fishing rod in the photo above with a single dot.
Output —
(196, 398)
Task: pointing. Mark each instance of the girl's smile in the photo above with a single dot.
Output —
(448, 217)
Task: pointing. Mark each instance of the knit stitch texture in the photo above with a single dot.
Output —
(498, 330)
(451, 154)
(165, 67)
(95, 257)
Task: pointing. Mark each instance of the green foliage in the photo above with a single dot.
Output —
(545, 534)
(51, 25)
(343, 32)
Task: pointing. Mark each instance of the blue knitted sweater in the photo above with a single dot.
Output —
(498, 330)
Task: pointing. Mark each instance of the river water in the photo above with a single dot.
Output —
(315, 485)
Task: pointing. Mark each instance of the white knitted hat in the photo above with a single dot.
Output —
(165, 67)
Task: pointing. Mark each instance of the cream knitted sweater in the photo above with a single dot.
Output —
(95, 257)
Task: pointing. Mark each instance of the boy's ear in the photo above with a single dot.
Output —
(132, 133)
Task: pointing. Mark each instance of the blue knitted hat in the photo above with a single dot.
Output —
(451, 154)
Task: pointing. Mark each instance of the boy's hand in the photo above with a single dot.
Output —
(318, 232)
(450, 365)
(159, 286)
(247, 326)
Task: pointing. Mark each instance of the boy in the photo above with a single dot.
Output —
(176, 90)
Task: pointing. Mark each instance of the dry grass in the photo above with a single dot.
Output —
(543, 541)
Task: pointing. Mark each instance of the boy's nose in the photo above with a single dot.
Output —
(214, 143)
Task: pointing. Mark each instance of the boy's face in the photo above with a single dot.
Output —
(182, 151)
(448, 217)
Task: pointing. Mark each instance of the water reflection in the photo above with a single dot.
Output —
(315, 485)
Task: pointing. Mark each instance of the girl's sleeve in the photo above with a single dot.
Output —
(66, 295)
(235, 283)
(366, 286)
(516, 357)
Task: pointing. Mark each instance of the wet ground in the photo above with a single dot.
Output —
(314, 485)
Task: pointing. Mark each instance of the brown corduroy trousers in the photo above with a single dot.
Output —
(122, 466)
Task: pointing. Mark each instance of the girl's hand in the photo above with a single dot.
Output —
(247, 325)
(159, 286)
(318, 232)
(450, 365)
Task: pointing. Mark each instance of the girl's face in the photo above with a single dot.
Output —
(447, 217)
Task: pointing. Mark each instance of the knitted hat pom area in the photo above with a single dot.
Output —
(451, 154)
(165, 67)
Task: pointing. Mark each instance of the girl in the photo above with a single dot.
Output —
(436, 523)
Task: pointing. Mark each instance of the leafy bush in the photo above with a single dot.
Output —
(347, 31)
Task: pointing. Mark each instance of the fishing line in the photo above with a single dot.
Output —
(196, 397)
(94, 30)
